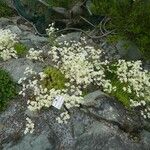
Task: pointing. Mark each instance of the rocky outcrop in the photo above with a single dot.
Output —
(104, 126)
(101, 123)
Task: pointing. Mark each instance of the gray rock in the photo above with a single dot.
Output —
(4, 22)
(104, 107)
(32, 142)
(16, 67)
(14, 29)
(128, 50)
(100, 136)
(28, 43)
(74, 36)
(145, 137)
(60, 10)
(12, 122)
(35, 39)
(83, 131)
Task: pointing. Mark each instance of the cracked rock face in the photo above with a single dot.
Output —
(96, 127)
(102, 123)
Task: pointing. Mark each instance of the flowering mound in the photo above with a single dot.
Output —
(76, 67)
(80, 66)
(8, 89)
(7, 42)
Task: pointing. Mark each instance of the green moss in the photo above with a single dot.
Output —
(63, 3)
(7, 89)
(21, 49)
(55, 79)
(5, 11)
(119, 94)
(130, 19)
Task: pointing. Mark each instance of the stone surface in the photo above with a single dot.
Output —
(107, 108)
(102, 123)
(30, 142)
(4, 22)
(16, 67)
(14, 29)
(74, 36)
(35, 39)
(128, 50)
(83, 131)
(102, 137)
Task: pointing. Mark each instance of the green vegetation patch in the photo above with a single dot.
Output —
(21, 49)
(54, 79)
(5, 11)
(131, 19)
(7, 89)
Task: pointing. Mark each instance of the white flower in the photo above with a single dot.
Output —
(34, 54)
(7, 41)
(29, 126)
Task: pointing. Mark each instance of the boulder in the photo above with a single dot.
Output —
(16, 67)
(87, 129)
(128, 50)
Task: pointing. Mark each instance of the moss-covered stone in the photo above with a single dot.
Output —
(7, 89)
(21, 49)
(134, 26)
(5, 11)
(54, 79)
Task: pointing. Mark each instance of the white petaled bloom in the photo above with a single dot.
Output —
(42, 75)
(29, 126)
(132, 73)
(77, 62)
(82, 66)
(34, 54)
(7, 41)
(137, 79)
(29, 71)
(50, 31)
(63, 117)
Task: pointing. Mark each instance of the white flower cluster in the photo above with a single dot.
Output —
(80, 63)
(34, 54)
(131, 72)
(136, 82)
(51, 33)
(82, 66)
(63, 117)
(29, 126)
(7, 41)
(39, 97)
(144, 112)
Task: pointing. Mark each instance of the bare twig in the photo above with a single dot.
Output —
(101, 26)
(87, 21)
(80, 30)
(104, 25)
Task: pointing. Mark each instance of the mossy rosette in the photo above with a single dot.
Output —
(8, 89)
(54, 79)
(5, 11)
(21, 49)
(134, 27)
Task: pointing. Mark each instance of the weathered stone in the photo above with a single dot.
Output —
(32, 142)
(82, 132)
(74, 36)
(128, 50)
(16, 67)
(14, 29)
(100, 136)
(35, 39)
(104, 107)
(4, 22)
